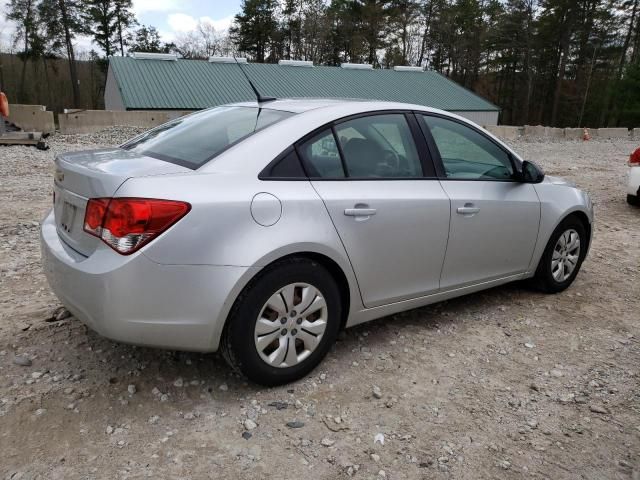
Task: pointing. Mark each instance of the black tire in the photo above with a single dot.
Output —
(543, 278)
(633, 200)
(238, 344)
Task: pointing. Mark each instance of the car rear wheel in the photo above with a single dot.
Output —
(633, 200)
(563, 256)
(283, 323)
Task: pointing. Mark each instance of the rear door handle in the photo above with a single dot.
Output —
(468, 209)
(359, 212)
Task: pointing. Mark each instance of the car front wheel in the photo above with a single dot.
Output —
(283, 323)
(563, 256)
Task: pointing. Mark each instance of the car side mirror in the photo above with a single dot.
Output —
(531, 173)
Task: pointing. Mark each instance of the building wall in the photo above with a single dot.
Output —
(481, 118)
(112, 95)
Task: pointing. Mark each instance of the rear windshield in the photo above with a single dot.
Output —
(194, 140)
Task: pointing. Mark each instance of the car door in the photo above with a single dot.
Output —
(494, 217)
(388, 208)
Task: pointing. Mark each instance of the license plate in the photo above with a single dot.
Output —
(68, 216)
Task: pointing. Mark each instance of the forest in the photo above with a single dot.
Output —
(562, 63)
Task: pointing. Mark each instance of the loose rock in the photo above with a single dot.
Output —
(377, 393)
(22, 360)
(295, 424)
(599, 408)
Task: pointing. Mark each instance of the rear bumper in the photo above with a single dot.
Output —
(134, 300)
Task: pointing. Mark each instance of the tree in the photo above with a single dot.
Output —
(124, 19)
(147, 39)
(62, 21)
(24, 13)
(374, 26)
(255, 29)
(100, 24)
(202, 42)
(403, 15)
(208, 37)
(107, 22)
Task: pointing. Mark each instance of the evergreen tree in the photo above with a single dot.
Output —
(107, 22)
(255, 29)
(147, 39)
(62, 21)
(124, 20)
(24, 14)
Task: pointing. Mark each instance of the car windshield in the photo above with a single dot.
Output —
(193, 140)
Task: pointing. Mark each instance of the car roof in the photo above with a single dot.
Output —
(311, 114)
(301, 105)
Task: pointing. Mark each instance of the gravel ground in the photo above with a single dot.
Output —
(506, 383)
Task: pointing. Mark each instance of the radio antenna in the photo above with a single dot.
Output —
(259, 97)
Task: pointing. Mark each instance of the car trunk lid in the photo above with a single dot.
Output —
(80, 176)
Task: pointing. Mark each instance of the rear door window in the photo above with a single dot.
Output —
(322, 156)
(379, 146)
(193, 140)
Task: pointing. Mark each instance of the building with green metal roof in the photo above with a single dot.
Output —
(165, 82)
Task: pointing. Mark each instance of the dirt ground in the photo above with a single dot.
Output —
(507, 383)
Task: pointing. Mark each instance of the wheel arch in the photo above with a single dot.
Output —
(347, 285)
(552, 215)
(336, 272)
(545, 235)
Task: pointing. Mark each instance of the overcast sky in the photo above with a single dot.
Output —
(170, 17)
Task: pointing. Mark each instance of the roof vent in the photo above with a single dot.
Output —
(296, 63)
(408, 69)
(154, 56)
(357, 66)
(227, 60)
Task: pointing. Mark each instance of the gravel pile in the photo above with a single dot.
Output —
(506, 383)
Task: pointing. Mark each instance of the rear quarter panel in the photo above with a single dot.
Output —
(220, 229)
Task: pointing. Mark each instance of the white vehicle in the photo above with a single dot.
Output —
(633, 187)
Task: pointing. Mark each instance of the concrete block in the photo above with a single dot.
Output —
(504, 131)
(32, 118)
(573, 133)
(535, 131)
(90, 121)
(613, 133)
(557, 133)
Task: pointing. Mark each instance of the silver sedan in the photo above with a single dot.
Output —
(263, 229)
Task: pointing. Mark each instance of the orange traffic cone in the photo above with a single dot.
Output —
(585, 135)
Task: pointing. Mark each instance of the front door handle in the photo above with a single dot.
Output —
(468, 209)
(359, 212)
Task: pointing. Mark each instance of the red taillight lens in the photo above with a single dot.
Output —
(94, 215)
(634, 159)
(126, 224)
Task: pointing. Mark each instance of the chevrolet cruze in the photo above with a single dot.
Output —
(263, 229)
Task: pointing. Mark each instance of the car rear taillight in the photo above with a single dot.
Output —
(126, 224)
(634, 158)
